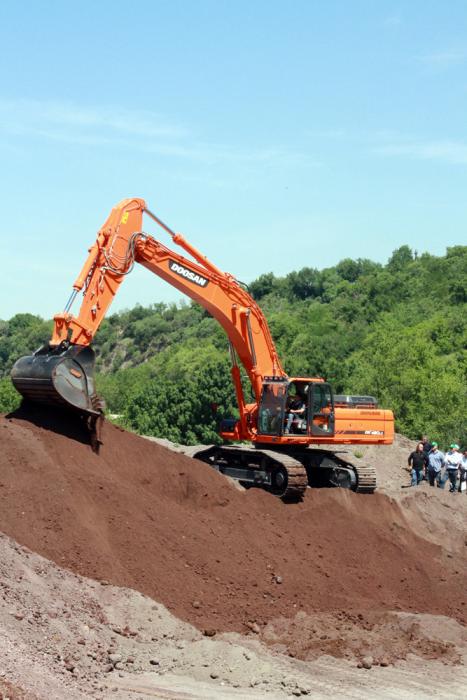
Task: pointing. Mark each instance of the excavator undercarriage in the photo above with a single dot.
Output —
(288, 473)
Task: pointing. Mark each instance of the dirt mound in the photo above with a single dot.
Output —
(65, 636)
(141, 516)
(385, 636)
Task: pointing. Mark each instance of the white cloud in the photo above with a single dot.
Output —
(337, 133)
(444, 59)
(444, 150)
(139, 130)
(392, 21)
(32, 115)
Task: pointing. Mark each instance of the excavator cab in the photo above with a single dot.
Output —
(317, 397)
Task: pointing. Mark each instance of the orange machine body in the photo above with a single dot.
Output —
(121, 242)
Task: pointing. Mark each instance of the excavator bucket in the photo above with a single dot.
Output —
(58, 375)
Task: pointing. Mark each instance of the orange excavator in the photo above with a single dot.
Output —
(288, 415)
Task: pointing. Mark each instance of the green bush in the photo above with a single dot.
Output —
(9, 397)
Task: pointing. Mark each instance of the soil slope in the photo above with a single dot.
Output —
(142, 516)
(63, 636)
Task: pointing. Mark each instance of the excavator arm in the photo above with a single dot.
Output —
(62, 370)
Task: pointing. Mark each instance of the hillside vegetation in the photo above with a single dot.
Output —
(397, 331)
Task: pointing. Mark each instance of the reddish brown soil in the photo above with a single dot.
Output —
(142, 516)
(7, 690)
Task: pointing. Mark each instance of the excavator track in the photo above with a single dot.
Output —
(366, 478)
(297, 479)
(279, 473)
(331, 468)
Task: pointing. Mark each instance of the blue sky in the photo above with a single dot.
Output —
(272, 135)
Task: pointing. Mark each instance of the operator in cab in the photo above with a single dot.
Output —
(295, 409)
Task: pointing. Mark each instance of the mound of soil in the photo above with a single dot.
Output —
(142, 516)
(66, 636)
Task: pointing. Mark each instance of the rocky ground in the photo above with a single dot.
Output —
(117, 585)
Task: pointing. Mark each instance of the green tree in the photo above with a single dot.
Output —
(9, 397)
(426, 389)
(178, 404)
(400, 258)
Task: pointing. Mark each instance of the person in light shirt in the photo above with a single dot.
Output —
(452, 461)
(435, 465)
(463, 472)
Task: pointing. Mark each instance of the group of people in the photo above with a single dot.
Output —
(428, 462)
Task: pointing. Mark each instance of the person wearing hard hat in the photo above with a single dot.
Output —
(452, 462)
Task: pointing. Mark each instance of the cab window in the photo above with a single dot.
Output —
(321, 398)
(322, 410)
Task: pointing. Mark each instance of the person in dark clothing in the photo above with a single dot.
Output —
(427, 447)
(418, 460)
(295, 409)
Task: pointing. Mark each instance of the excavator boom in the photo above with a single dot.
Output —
(62, 372)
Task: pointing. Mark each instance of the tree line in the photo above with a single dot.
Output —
(397, 331)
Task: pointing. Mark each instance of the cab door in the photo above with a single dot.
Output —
(271, 408)
(321, 410)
